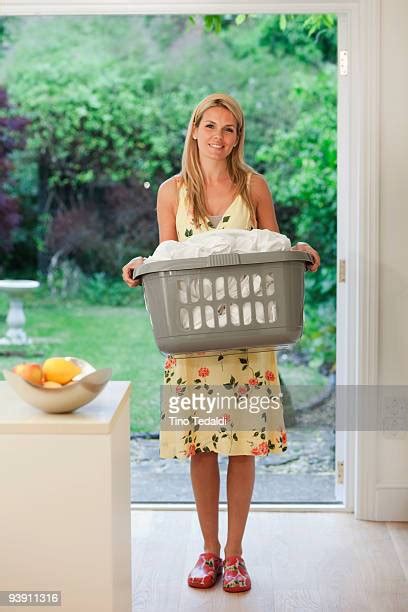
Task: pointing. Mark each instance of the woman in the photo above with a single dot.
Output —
(216, 189)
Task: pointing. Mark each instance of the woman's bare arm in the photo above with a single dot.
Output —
(266, 217)
(262, 198)
(167, 209)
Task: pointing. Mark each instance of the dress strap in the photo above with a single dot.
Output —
(182, 222)
(178, 187)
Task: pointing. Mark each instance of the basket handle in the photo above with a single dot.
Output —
(223, 259)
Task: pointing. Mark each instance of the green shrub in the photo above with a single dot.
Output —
(101, 289)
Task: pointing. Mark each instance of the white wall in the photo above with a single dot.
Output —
(392, 459)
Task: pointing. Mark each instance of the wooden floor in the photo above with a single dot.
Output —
(297, 561)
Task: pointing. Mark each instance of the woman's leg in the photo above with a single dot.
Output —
(240, 484)
(205, 478)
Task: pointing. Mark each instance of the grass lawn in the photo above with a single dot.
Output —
(109, 336)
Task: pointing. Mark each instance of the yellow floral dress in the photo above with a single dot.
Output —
(243, 373)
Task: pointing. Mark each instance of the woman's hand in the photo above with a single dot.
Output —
(303, 246)
(127, 271)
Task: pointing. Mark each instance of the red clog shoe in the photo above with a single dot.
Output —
(236, 578)
(206, 571)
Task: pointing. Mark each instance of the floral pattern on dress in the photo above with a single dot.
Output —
(208, 375)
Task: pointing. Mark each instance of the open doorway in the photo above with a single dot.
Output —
(287, 82)
(265, 153)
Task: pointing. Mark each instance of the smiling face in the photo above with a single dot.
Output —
(217, 133)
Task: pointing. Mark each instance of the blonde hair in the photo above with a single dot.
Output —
(191, 171)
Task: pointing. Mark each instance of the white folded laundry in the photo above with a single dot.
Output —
(221, 241)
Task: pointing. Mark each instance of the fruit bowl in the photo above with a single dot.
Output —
(84, 387)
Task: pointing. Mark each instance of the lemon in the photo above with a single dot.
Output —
(60, 370)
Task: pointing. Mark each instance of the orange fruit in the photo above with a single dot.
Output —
(60, 370)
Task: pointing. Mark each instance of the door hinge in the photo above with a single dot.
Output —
(343, 63)
(340, 472)
(342, 271)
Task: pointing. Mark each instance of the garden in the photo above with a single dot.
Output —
(93, 115)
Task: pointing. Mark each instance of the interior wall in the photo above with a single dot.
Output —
(393, 302)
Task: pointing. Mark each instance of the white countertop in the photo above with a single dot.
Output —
(97, 417)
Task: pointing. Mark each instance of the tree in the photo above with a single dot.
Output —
(319, 28)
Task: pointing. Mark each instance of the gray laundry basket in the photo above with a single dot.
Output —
(226, 301)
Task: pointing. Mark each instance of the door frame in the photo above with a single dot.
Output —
(358, 198)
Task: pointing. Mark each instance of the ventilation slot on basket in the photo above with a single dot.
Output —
(195, 290)
(247, 313)
(197, 322)
(234, 314)
(244, 283)
(272, 315)
(219, 288)
(209, 316)
(222, 315)
(182, 291)
(232, 287)
(184, 318)
(257, 284)
(259, 312)
(207, 289)
(270, 284)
